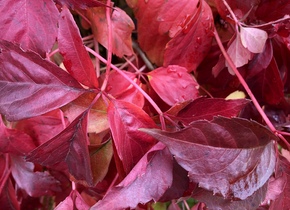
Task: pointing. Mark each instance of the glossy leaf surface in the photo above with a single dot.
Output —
(76, 59)
(26, 79)
(124, 119)
(212, 151)
(173, 84)
(70, 146)
(28, 23)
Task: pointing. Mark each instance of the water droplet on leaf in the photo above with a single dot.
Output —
(170, 70)
(198, 40)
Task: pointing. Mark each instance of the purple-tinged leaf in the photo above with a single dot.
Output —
(279, 190)
(214, 202)
(267, 85)
(232, 157)
(70, 146)
(31, 86)
(173, 84)
(73, 201)
(147, 181)
(208, 108)
(76, 59)
(35, 183)
(32, 24)
(131, 144)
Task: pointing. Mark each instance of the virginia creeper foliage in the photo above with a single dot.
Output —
(142, 104)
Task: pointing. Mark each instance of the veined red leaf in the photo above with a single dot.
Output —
(267, 85)
(208, 108)
(76, 58)
(71, 147)
(125, 119)
(173, 16)
(253, 39)
(192, 43)
(73, 201)
(122, 27)
(76, 4)
(147, 181)
(214, 202)
(8, 199)
(43, 128)
(10, 138)
(31, 86)
(279, 191)
(232, 157)
(34, 183)
(173, 84)
(32, 24)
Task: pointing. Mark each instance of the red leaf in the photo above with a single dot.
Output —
(70, 146)
(76, 58)
(8, 199)
(43, 128)
(208, 108)
(267, 85)
(215, 154)
(125, 119)
(122, 27)
(190, 45)
(253, 39)
(279, 190)
(149, 37)
(147, 181)
(34, 183)
(217, 202)
(173, 84)
(75, 4)
(10, 138)
(31, 86)
(272, 10)
(73, 201)
(31, 24)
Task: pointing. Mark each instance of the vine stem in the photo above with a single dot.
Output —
(243, 82)
(109, 55)
(149, 99)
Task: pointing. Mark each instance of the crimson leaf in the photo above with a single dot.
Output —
(76, 58)
(75, 4)
(26, 79)
(125, 119)
(34, 183)
(148, 180)
(32, 24)
(208, 108)
(10, 138)
(70, 146)
(173, 84)
(192, 43)
(231, 157)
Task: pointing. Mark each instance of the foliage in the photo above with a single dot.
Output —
(144, 104)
